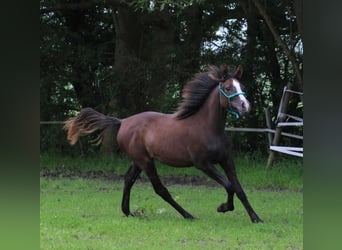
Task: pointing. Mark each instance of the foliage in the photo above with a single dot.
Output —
(124, 57)
(160, 5)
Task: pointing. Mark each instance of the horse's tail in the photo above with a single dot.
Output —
(87, 122)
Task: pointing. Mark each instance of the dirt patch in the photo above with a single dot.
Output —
(192, 180)
(167, 180)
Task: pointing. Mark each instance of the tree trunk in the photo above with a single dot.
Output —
(190, 48)
(250, 61)
(274, 68)
(81, 76)
(128, 68)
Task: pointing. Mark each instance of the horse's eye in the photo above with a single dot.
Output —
(228, 89)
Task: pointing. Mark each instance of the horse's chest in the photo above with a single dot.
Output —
(213, 147)
(210, 148)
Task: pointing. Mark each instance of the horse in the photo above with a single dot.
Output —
(191, 136)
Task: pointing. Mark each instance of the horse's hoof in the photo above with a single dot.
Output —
(257, 220)
(126, 213)
(224, 208)
(188, 217)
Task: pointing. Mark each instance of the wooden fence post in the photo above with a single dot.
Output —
(280, 118)
(268, 125)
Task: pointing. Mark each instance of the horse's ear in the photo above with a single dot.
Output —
(238, 72)
(214, 73)
(224, 71)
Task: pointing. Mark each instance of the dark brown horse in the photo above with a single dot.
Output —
(192, 136)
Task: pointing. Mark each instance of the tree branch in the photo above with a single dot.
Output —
(278, 39)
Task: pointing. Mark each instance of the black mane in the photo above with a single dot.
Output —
(197, 90)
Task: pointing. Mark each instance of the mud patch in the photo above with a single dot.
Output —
(167, 180)
(191, 180)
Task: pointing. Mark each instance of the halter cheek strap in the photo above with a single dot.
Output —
(229, 109)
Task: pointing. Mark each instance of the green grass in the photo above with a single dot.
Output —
(85, 214)
(252, 172)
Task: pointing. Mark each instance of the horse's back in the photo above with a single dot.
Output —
(155, 136)
(139, 122)
(135, 128)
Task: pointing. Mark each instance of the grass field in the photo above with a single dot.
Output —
(78, 213)
(286, 174)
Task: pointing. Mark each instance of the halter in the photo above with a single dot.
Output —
(229, 109)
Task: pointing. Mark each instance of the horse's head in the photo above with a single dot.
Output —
(232, 97)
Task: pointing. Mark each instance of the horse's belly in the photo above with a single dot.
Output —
(175, 162)
(176, 156)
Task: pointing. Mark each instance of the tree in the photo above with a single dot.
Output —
(122, 57)
(288, 50)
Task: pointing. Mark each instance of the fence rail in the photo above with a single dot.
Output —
(257, 130)
(296, 151)
(264, 130)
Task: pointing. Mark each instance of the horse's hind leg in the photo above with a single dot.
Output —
(210, 170)
(130, 177)
(162, 191)
(229, 168)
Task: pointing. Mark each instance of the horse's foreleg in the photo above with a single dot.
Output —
(229, 169)
(210, 170)
(130, 177)
(162, 191)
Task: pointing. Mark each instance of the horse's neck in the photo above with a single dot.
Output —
(212, 113)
